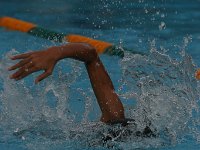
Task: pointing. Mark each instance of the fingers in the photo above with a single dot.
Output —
(21, 56)
(20, 64)
(43, 76)
(23, 71)
(32, 62)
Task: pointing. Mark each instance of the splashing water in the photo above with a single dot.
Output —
(165, 90)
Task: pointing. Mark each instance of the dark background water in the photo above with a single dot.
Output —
(134, 23)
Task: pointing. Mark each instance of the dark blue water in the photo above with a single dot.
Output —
(62, 113)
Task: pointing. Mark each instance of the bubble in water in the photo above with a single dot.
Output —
(162, 26)
(146, 11)
(162, 15)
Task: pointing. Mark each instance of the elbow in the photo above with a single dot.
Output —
(92, 53)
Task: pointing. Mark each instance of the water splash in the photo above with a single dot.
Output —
(39, 110)
(165, 90)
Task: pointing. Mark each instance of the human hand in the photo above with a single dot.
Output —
(33, 62)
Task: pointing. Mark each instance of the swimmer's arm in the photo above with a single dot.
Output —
(109, 102)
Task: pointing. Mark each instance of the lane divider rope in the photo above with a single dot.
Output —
(33, 29)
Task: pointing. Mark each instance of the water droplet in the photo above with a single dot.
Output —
(162, 26)
(162, 15)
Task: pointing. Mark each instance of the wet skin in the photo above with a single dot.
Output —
(109, 102)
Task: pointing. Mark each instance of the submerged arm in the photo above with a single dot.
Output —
(109, 102)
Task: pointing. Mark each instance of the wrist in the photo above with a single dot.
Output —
(56, 52)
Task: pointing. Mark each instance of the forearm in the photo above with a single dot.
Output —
(111, 106)
(109, 102)
(79, 51)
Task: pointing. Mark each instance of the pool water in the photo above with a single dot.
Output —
(158, 90)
